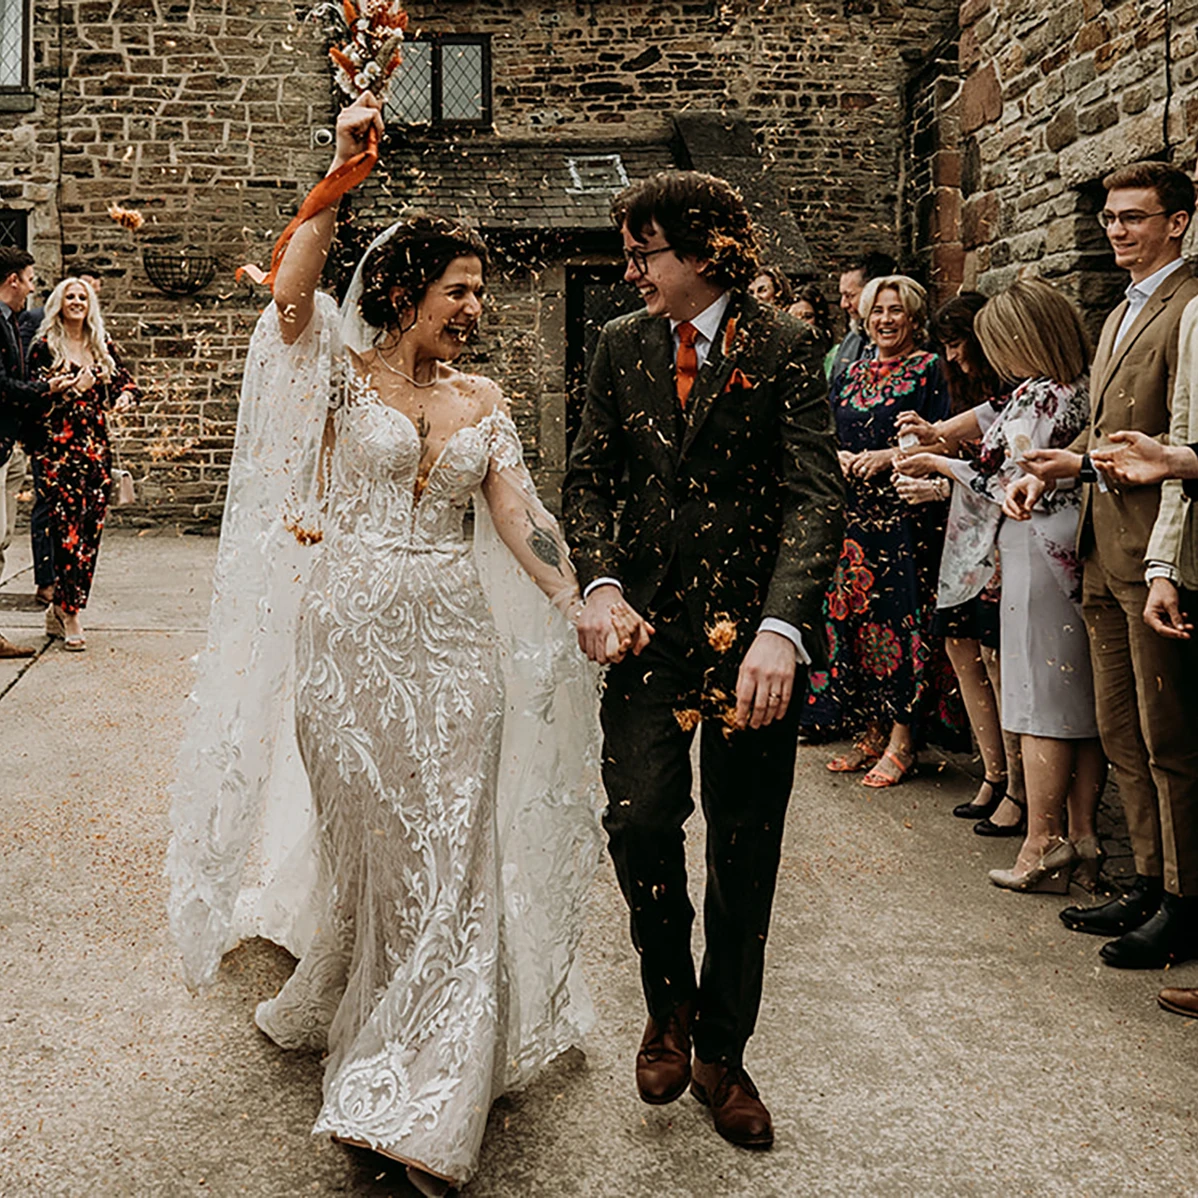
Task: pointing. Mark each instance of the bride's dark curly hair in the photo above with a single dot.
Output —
(414, 257)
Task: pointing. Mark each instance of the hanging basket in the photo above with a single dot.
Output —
(178, 272)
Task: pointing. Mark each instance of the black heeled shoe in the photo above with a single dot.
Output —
(987, 827)
(974, 810)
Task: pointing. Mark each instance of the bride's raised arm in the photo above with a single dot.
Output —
(304, 258)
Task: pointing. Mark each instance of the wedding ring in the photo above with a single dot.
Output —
(776, 697)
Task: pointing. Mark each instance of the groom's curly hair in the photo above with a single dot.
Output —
(699, 215)
(414, 257)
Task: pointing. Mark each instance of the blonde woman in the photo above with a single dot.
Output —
(880, 684)
(71, 453)
(1032, 332)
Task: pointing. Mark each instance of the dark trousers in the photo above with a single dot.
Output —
(745, 783)
(39, 531)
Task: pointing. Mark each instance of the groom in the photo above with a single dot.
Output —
(707, 415)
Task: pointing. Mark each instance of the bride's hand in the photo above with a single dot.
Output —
(353, 125)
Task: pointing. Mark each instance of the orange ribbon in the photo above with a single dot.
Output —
(326, 193)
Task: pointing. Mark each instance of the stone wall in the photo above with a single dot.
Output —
(198, 114)
(1056, 96)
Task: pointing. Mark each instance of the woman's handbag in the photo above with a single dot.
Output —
(121, 491)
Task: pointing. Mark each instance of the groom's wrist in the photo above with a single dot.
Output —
(595, 584)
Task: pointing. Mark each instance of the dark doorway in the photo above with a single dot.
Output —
(595, 294)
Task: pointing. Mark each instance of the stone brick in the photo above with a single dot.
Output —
(981, 100)
(1062, 129)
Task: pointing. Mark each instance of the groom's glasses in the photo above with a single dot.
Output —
(640, 258)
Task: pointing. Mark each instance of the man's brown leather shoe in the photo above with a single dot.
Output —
(8, 649)
(740, 1115)
(1179, 1001)
(663, 1064)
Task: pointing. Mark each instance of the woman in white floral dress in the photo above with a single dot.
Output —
(1032, 332)
(445, 721)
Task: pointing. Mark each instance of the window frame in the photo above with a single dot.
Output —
(25, 85)
(22, 215)
(437, 42)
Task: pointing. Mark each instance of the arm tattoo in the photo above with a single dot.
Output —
(544, 544)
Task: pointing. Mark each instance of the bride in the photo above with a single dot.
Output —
(427, 853)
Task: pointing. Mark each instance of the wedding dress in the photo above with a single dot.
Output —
(429, 862)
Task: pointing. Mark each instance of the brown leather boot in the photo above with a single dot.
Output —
(740, 1115)
(8, 649)
(1179, 1001)
(663, 1064)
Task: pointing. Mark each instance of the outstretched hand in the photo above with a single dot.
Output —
(766, 680)
(1162, 612)
(1133, 460)
(1052, 465)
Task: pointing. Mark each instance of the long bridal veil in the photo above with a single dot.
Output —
(241, 860)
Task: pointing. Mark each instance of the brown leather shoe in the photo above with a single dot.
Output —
(663, 1064)
(740, 1115)
(1179, 1001)
(8, 649)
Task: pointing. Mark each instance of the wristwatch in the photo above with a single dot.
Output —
(1087, 474)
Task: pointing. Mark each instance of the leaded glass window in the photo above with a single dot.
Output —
(14, 229)
(14, 45)
(444, 79)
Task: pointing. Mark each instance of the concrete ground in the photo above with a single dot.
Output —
(922, 1033)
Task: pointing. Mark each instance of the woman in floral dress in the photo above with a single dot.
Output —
(880, 605)
(72, 454)
(1031, 331)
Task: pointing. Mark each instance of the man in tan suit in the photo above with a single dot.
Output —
(1137, 460)
(1146, 686)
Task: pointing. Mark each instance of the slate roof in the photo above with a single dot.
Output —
(517, 186)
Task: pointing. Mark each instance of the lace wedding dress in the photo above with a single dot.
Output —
(428, 864)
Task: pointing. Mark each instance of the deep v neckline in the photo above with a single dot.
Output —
(418, 492)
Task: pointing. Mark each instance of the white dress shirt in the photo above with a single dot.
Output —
(1138, 294)
(707, 325)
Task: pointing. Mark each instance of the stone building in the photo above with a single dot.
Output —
(1053, 98)
(969, 138)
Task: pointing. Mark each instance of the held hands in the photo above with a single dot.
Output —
(353, 125)
(1134, 460)
(1162, 612)
(608, 627)
(766, 680)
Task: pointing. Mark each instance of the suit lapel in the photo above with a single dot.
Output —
(1154, 308)
(657, 369)
(713, 377)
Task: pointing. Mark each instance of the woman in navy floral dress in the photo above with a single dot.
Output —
(72, 453)
(881, 673)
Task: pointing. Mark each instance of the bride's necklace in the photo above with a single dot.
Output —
(403, 374)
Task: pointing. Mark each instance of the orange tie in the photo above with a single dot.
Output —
(687, 365)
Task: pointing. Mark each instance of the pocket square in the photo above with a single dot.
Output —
(738, 381)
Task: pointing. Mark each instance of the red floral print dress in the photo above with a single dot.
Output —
(75, 464)
(883, 664)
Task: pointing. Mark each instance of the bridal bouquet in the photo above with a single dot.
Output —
(371, 55)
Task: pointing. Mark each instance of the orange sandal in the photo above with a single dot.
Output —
(879, 780)
(850, 763)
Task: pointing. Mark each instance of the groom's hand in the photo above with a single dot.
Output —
(608, 627)
(766, 680)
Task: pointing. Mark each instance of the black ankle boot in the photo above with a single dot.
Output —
(1120, 915)
(1168, 938)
